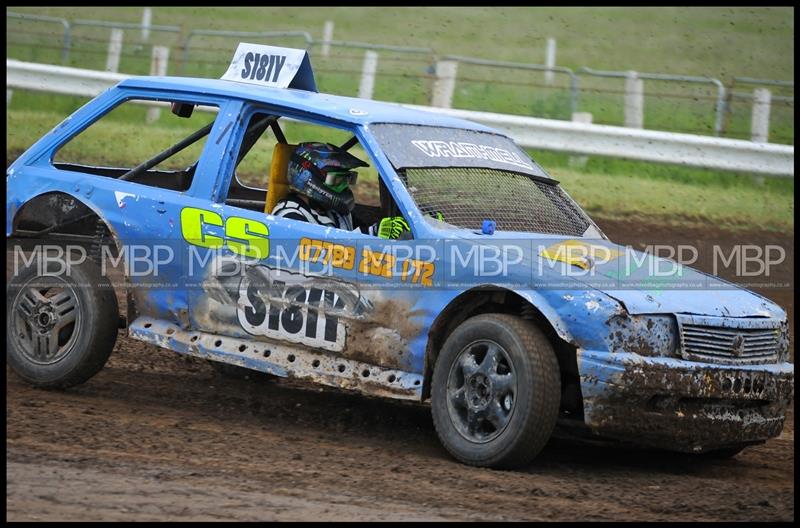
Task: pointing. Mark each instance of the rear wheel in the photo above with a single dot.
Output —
(495, 391)
(60, 328)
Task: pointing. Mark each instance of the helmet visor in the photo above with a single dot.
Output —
(338, 181)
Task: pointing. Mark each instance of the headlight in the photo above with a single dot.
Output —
(646, 335)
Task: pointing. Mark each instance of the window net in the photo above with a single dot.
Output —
(466, 197)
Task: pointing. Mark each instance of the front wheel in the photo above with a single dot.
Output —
(60, 327)
(495, 391)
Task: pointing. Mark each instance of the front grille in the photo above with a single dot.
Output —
(742, 341)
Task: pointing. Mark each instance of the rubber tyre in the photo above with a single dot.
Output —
(536, 402)
(96, 329)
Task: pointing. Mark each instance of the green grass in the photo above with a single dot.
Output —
(601, 166)
(713, 41)
(605, 187)
(717, 41)
(652, 201)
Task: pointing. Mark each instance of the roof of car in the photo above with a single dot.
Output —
(349, 109)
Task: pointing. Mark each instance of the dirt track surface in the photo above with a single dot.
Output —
(158, 436)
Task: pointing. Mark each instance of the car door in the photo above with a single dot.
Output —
(305, 285)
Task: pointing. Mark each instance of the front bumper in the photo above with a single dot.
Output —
(683, 405)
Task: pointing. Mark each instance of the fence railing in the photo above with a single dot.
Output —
(634, 106)
(763, 82)
(64, 23)
(545, 134)
(573, 79)
(239, 35)
(418, 75)
(127, 25)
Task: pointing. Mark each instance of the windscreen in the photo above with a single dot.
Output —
(426, 146)
(465, 197)
(475, 176)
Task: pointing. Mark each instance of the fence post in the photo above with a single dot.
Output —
(719, 119)
(444, 84)
(67, 44)
(158, 66)
(726, 112)
(580, 117)
(9, 93)
(634, 101)
(147, 17)
(759, 124)
(327, 36)
(550, 61)
(114, 50)
(367, 85)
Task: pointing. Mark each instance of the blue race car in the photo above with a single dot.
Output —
(485, 288)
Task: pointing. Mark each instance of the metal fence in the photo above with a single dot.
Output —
(545, 134)
(375, 71)
(634, 92)
(519, 70)
(748, 116)
(418, 75)
(34, 33)
(205, 49)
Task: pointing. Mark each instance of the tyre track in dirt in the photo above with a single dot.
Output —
(177, 425)
(156, 435)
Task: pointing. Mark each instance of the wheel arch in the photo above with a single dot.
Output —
(81, 221)
(528, 305)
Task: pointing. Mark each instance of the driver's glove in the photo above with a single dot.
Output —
(391, 227)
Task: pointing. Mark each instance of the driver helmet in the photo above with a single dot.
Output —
(324, 173)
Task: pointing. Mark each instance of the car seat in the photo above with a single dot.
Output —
(278, 185)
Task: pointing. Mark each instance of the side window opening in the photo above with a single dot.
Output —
(248, 188)
(168, 146)
(265, 138)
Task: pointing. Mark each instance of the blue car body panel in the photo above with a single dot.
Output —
(371, 319)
